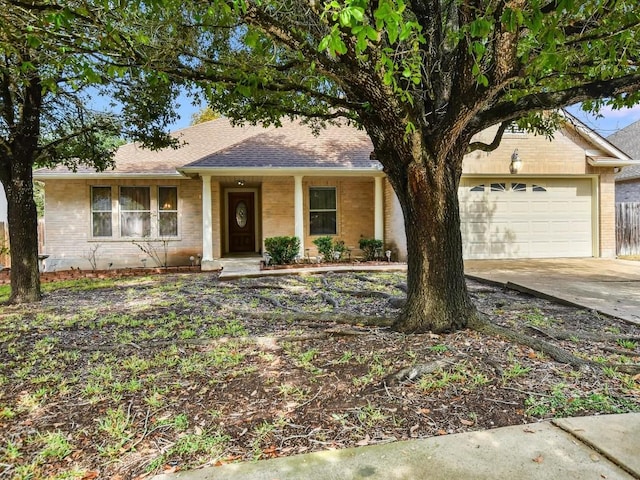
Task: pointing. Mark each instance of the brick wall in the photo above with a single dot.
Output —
(68, 226)
(278, 207)
(355, 212)
(563, 156)
(394, 236)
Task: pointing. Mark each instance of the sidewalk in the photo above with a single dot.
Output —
(601, 447)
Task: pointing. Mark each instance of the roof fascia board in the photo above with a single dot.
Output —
(278, 172)
(596, 139)
(109, 175)
(610, 162)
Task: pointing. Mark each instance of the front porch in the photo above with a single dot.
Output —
(239, 212)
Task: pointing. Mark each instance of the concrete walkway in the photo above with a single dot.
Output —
(608, 286)
(603, 447)
(234, 268)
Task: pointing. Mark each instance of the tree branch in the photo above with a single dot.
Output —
(508, 110)
(490, 147)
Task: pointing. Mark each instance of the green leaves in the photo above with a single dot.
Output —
(480, 28)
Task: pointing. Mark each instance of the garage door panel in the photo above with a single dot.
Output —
(525, 223)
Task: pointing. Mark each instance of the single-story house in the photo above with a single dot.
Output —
(628, 179)
(228, 188)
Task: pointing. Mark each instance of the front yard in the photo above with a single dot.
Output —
(131, 377)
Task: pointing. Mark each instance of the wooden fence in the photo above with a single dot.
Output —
(5, 253)
(5, 260)
(41, 238)
(628, 228)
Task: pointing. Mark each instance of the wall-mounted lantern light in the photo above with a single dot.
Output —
(516, 162)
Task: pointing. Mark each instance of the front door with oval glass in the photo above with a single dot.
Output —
(241, 222)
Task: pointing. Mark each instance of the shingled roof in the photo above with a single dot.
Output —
(295, 146)
(219, 144)
(627, 139)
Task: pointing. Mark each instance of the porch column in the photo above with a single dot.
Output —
(378, 215)
(298, 212)
(207, 225)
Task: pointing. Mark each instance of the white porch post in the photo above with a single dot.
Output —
(207, 225)
(378, 222)
(298, 212)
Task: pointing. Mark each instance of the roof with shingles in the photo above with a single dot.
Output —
(219, 144)
(627, 139)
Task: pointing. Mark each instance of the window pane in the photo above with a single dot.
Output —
(167, 198)
(322, 223)
(135, 198)
(101, 224)
(135, 224)
(101, 199)
(168, 224)
(478, 188)
(519, 187)
(498, 187)
(322, 198)
(101, 211)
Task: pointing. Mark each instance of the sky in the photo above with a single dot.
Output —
(610, 120)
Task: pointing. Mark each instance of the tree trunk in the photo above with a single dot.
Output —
(437, 296)
(23, 234)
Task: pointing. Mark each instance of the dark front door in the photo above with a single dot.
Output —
(241, 216)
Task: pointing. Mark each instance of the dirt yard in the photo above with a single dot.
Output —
(125, 378)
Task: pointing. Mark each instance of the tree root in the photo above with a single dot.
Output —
(483, 325)
(329, 299)
(414, 372)
(596, 337)
(276, 303)
(338, 318)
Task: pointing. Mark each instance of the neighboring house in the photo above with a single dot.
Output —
(628, 179)
(229, 188)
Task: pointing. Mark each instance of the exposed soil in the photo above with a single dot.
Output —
(125, 378)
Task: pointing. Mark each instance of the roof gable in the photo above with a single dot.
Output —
(628, 140)
(218, 144)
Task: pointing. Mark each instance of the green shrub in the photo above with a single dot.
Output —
(282, 249)
(325, 247)
(339, 246)
(369, 247)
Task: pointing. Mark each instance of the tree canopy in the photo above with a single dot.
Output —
(53, 58)
(422, 77)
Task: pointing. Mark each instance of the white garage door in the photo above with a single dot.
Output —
(526, 218)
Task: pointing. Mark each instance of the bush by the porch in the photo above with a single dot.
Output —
(282, 250)
(370, 248)
(328, 248)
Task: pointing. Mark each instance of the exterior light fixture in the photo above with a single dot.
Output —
(240, 183)
(516, 162)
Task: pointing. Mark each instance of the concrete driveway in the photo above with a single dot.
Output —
(609, 286)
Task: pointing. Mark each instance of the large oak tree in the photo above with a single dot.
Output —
(53, 58)
(422, 77)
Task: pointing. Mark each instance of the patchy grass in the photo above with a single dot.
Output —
(131, 377)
